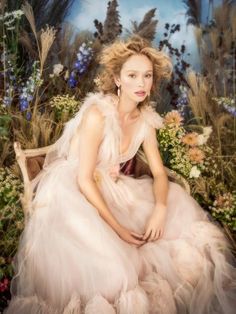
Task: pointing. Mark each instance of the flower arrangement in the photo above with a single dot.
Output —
(190, 155)
(224, 209)
(183, 152)
(11, 221)
(64, 106)
(10, 187)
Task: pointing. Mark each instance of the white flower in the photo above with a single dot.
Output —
(17, 13)
(57, 68)
(203, 138)
(194, 172)
(207, 130)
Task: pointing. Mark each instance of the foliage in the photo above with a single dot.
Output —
(190, 155)
(11, 218)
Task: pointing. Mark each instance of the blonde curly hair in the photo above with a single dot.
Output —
(115, 55)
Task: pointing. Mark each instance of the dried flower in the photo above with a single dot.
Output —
(173, 118)
(190, 139)
(196, 155)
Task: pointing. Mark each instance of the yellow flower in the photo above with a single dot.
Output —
(173, 118)
(190, 139)
(196, 155)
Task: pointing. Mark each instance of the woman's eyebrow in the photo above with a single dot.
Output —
(138, 71)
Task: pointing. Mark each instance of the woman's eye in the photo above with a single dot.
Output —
(149, 75)
(132, 75)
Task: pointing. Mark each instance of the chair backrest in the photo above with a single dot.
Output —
(30, 162)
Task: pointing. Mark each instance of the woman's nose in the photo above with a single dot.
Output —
(141, 82)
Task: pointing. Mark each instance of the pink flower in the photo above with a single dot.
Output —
(196, 155)
(190, 139)
(173, 118)
(4, 285)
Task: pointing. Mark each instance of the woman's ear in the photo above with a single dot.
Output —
(117, 81)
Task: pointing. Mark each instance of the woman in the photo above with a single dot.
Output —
(100, 241)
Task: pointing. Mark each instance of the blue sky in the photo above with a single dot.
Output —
(84, 12)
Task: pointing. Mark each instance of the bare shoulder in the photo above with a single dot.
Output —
(93, 117)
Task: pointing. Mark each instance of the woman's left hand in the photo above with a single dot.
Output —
(155, 225)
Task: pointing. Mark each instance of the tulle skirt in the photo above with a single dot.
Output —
(71, 261)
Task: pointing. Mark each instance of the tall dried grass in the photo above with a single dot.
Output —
(47, 35)
(215, 47)
(41, 131)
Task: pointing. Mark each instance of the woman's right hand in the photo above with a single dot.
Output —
(130, 236)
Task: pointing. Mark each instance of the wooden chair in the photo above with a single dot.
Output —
(31, 162)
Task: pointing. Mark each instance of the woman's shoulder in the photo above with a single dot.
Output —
(103, 102)
(151, 117)
(100, 108)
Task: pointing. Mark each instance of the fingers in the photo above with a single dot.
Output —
(137, 242)
(147, 234)
(136, 238)
(136, 235)
(152, 235)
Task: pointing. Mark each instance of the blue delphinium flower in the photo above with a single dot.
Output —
(24, 103)
(227, 103)
(27, 90)
(72, 80)
(182, 102)
(28, 115)
(84, 56)
(10, 79)
(230, 109)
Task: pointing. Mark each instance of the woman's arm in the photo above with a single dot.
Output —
(155, 226)
(89, 141)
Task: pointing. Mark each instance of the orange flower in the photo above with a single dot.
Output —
(196, 155)
(173, 118)
(190, 139)
(224, 200)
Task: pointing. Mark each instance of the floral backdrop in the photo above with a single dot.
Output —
(47, 67)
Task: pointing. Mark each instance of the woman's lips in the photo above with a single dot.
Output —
(140, 94)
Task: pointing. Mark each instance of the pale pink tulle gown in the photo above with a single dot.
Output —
(71, 261)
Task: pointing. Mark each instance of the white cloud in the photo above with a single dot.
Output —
(90, 10)
(137, 15)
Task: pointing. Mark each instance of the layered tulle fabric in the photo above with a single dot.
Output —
(71, 261)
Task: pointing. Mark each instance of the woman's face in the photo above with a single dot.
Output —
(136, 78)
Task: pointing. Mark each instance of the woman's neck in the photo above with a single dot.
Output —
(127, 109)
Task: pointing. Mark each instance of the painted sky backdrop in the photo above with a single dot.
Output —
(83, 13)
